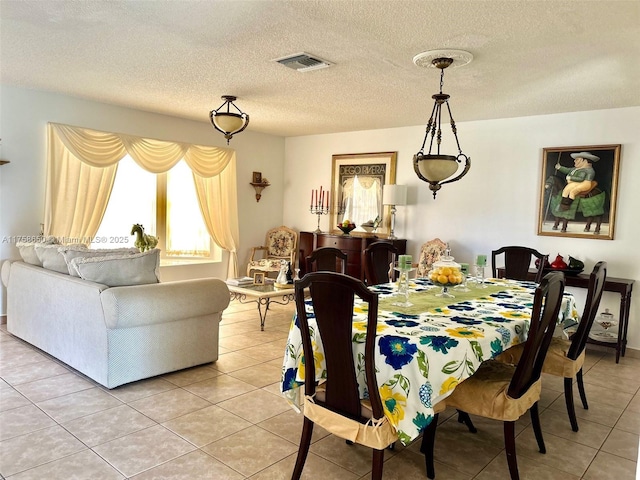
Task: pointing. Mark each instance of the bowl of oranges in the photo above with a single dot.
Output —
(446, 276)
(446, 273)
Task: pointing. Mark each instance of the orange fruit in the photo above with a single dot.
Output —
(443, 279)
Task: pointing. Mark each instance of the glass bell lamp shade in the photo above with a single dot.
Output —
(436, 168)
(227, 122)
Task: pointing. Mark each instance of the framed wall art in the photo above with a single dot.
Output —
(578, 191)
(356, 189)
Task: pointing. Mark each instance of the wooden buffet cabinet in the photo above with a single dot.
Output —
(352, 245)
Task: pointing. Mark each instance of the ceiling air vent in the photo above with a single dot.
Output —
(303, 62)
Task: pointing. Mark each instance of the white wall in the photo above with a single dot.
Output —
(23, 118)
(496, 203)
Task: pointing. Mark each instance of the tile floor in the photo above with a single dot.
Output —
(227, 421)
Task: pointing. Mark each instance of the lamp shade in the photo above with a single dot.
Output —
(394, 195)
(437, 168)
(228, 122)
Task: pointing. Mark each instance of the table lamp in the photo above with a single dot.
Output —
(394, 195)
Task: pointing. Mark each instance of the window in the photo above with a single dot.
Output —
(165, 204)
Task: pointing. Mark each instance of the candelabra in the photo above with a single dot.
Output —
(319, 210)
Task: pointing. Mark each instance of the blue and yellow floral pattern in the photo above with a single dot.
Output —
(423, 357)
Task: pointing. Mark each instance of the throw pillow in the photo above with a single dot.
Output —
(51, 258)
(120, 270)
(71, 252)
(28, 252)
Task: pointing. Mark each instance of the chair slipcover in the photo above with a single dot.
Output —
(374, 434)
(485, 393)
(556, 362)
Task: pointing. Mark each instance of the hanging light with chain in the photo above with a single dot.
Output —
(435, 168)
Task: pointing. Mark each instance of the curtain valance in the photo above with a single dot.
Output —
(104, 149)
(81, 169)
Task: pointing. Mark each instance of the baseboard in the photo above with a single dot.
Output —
(3, 319)
(632, 353)
(629, 352)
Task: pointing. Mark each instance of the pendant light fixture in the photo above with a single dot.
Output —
(227, 122)
(435, 168)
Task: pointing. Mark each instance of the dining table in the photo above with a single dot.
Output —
(424, 350)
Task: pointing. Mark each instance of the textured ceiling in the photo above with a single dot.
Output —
(179, 57)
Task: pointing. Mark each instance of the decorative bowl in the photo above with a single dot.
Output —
(367, 228)
(347, 229)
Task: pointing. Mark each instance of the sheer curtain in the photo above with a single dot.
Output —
(81, 168)
(363, 199)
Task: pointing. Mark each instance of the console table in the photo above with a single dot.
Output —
(353, 245)
(622, 286)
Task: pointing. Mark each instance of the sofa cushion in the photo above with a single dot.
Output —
(71, 252)
(28, 252)
(51, 258)
(120, 270)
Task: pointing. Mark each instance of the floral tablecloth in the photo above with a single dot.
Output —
(424, 351)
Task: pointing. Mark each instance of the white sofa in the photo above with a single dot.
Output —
(115, 335)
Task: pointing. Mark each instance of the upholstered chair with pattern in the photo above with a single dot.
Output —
(280, 244)
(430, 253)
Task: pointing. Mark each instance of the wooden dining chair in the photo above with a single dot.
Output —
(379, 258)
(335, 404)
(517, 261)
(566, 357)
(503, 391)
(327, 259)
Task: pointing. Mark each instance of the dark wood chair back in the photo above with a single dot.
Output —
(332, 295)
(327, 259)
(379, 258)
(596, 285)
(517, 261)
(544, 316)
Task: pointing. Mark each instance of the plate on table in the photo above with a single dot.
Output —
(608, 337)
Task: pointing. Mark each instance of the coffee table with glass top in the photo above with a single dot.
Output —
(263, 295)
